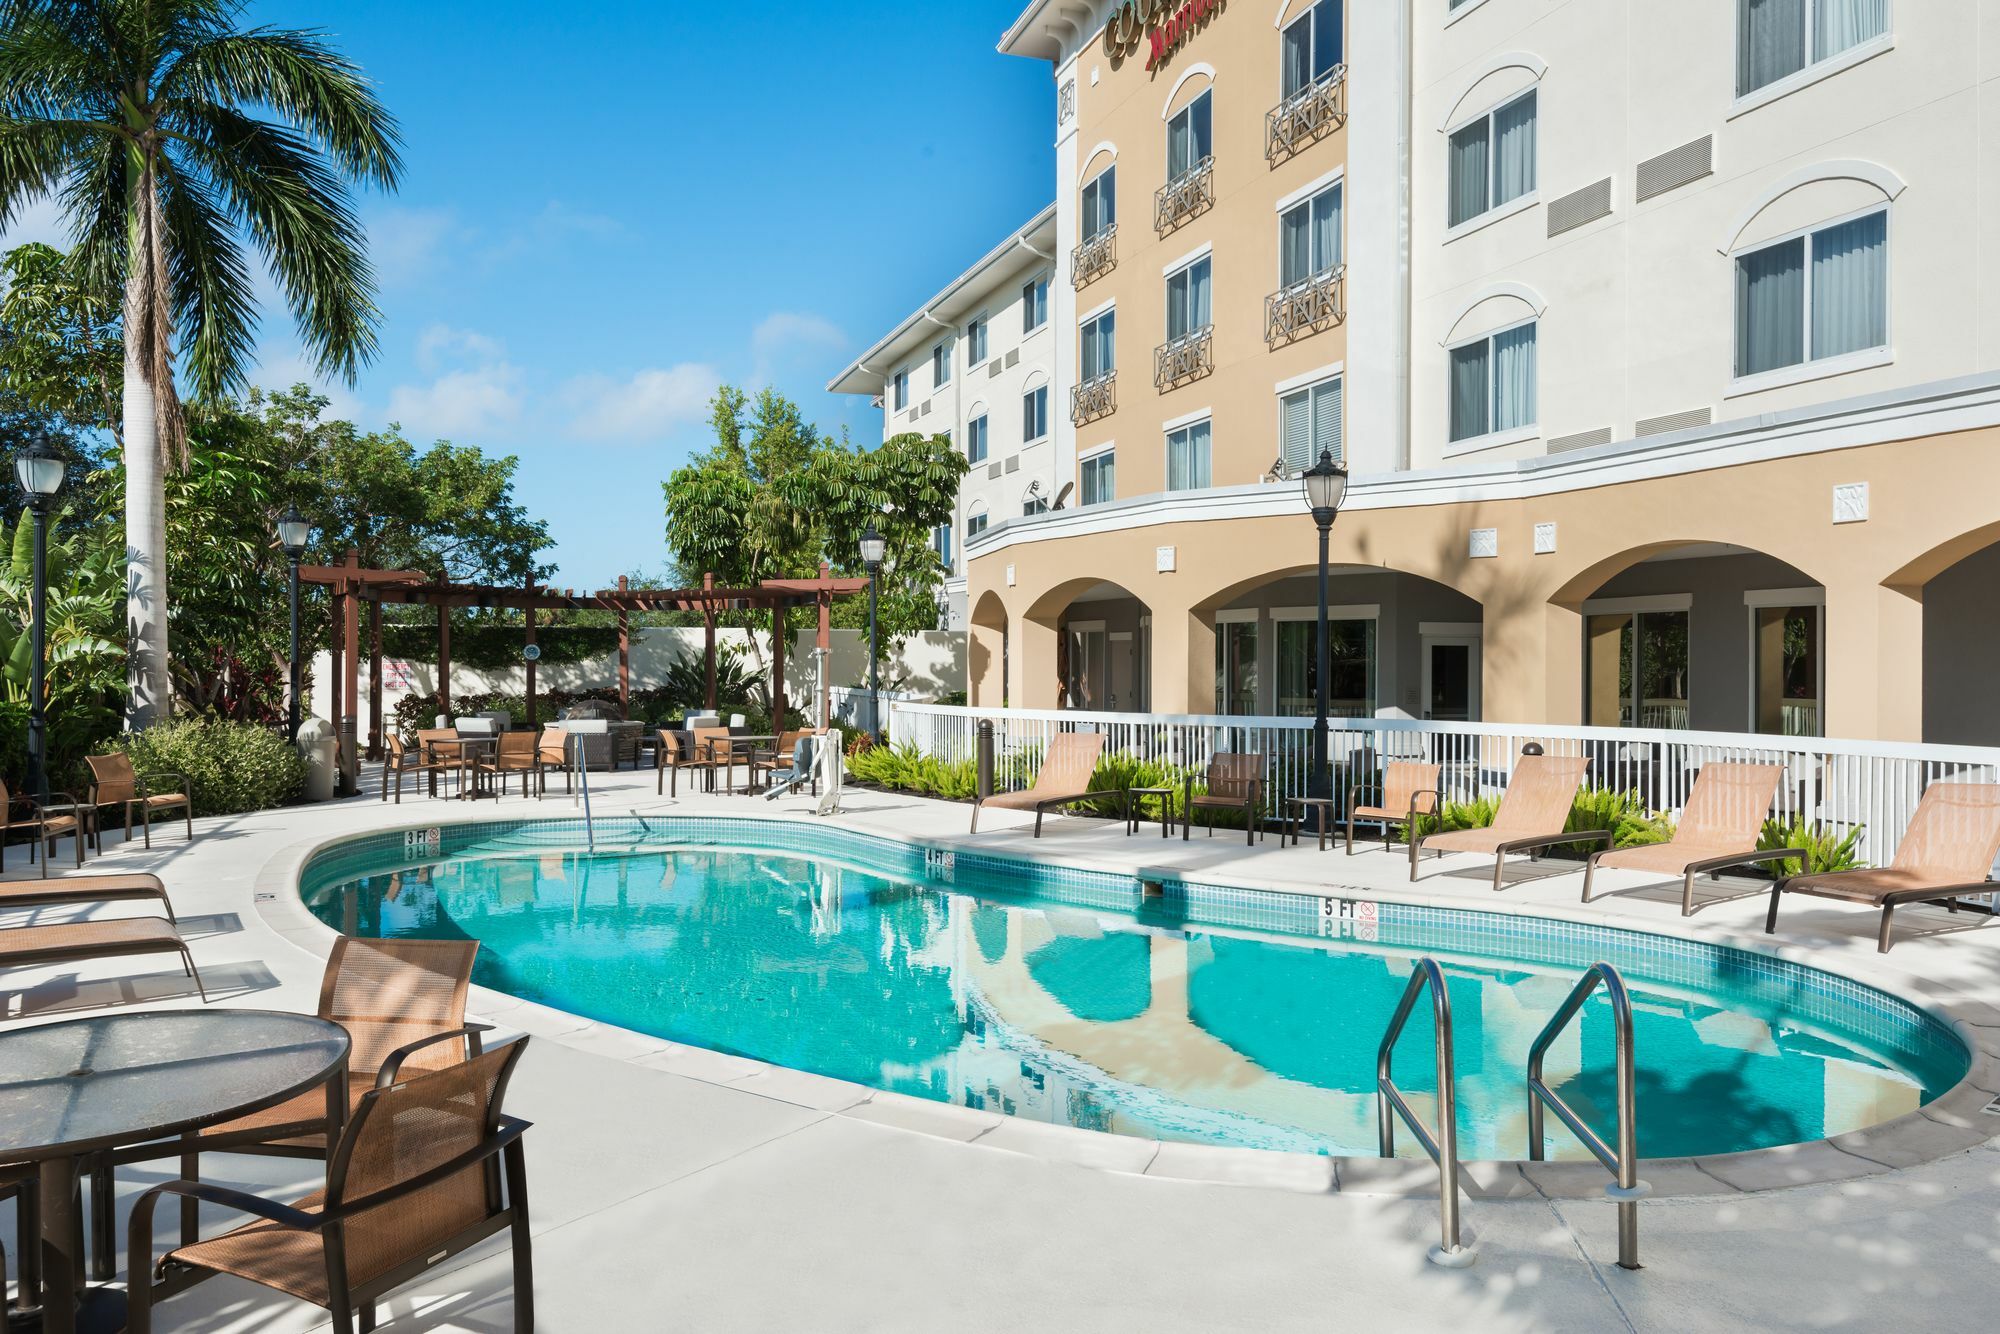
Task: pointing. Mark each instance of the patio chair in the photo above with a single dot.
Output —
(75, 942)
(402, 758)
(1063, 781)
(1409, 789)
(1947, 852)
(552, 752)
(677, 752)
(513, 753)
(47, 827)
(427, 1168)
(1235, 783)
(438, 762)
(1718, 829)
(1532, 814)
(721, 756)
(113, 782)
(781, 758)
(77, 889)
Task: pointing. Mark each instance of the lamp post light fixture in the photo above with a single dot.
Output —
(293, 534)
(1325, 486)
(873, 547)
(39, 470)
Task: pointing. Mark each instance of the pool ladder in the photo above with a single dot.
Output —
(1441, 1141)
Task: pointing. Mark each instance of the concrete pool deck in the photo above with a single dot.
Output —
(675, 1188)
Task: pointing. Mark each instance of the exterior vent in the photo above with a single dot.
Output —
(1580, 206)
(1676, 167)
(1014, 463)
(924, 411)
(1581, 440)
(993, 472)
(1013, 358)
(1673, 421)
(994, 368)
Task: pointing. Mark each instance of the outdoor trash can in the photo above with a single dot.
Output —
(316, 748)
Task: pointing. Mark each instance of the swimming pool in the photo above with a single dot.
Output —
(1191, 1013)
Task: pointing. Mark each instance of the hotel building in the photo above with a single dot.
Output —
(1660, 340)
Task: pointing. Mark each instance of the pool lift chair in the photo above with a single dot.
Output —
(817, 757)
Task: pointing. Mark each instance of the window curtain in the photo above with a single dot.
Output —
(1326, 230)
(1297, 56)
(1098, 357)
(1770, 41)
(976, 447)
(1850, 272)
(1298, 675)
(1770, 308)
(1514, 158)
(1840, 24)
(1295, 430)
(1469, 392)
(1180, 144)
(1326, 37)
(1295, 245)
(1514, 378)
(1326, 420)
(1187, 458)
(1470, 148)
(1201, 130)
(1200, 311)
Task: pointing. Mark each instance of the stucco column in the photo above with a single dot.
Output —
(985, 664)
(1034, 651)
(1183, 650)
(1530, 662)
(1874, 662)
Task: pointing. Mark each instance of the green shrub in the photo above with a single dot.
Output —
(1623, 813)
(1826, 849)
(231, 767)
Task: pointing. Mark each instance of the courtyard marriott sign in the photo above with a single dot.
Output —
(1164, 25)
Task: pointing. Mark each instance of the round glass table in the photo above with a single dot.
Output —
(69, 1089)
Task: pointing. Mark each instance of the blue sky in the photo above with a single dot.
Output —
(608, 208)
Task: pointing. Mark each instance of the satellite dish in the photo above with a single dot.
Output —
(531, 652)
(1062, 496)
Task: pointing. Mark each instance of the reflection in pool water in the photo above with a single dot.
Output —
(1138, 1024)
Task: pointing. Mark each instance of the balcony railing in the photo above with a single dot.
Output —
(1185, 196)
(1297, 122)
(1181, 360)
(1094, 398)
(1306, 308)
(1095, 256)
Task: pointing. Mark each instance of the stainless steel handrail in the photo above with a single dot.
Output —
(1623, 1162)
(580, 763)
(1442, 1145)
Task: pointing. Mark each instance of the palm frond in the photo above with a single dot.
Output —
(210, 282)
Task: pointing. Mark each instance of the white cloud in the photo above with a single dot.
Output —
(440, 344)
(787, 331)
(407, 243)
(459, 403)
(644, 407)
(279, 368)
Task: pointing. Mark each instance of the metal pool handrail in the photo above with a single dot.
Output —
(580, 765)
(1623, 1162)
(1442, 1145)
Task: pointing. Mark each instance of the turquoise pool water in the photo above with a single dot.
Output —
(1208, 1016)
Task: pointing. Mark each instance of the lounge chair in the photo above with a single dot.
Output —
(400, 758)
(113, 782)
(1718, 829)
(85, 889)
(416, 1179)
(22, 1182)
(27, 813)
(1063, 781)
(74, 942)
(1409, 789)
(1235, 783)
(1532, 814)
(1946, 853)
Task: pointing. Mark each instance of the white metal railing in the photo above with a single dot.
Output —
(1094, 398)
(1184, 196)
(1094, 255)
(1307, 307)
(849, 705)
(1300, 119)
(1188, 357)
(1841, 784)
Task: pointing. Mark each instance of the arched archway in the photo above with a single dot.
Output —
(1958, 582)
(986, 655)
(1102, 637)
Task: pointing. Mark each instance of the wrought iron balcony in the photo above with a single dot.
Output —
(1185, 196)
(1297, 122)
(1306, 308)
(1095, 256)
(1181, 360)
(1093, 398)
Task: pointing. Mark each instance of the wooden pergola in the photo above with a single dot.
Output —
(351, 585)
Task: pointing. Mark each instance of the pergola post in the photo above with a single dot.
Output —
(778, 666)
(350, 642)
(625, 653)
(823, 640)
(708, 628)
(375, 731)
(444, 660)
(529, 615)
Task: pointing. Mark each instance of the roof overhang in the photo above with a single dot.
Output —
(1047, 29)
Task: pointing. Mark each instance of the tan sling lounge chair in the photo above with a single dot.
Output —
(1947, 851)
(1063, 781)
(1532, 814)
(73, 942)
(1234, 783)
(1718, 829)
(85, 889)
(1409, 789)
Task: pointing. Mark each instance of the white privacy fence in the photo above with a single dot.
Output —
(1840, 784)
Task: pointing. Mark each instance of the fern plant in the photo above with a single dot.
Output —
(1826, 849)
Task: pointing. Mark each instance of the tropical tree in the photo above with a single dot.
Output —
(172, 134)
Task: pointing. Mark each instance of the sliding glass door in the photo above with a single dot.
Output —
(1636, 669)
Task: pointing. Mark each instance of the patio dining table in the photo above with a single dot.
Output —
(745, 746)
(471, 783)
(68, 1090)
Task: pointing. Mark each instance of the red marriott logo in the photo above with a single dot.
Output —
(1164, 26)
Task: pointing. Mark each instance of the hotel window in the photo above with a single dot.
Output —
(1191, 137)
(1350, 685)
(1099, 342)
(1100, 203)
(975, 524)
(1493, 383)
(1309, 421)
(1190, 305)
(1787, 656)
(1778, 38)
(1493, 159)
(975, 342)
(1097, 478)
(1821, 294)
(1636, 669)
(1187, 457)
(941, 364)
(975, 439)
(900, 390)
(941, 543)
(1035, 504)
(1236, 663)
(1312, 47)
(1034, 414)
(1309, 238)
(1034, 305)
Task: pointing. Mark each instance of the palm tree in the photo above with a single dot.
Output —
(171, 135)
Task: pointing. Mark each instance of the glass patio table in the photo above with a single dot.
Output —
(70, 1089)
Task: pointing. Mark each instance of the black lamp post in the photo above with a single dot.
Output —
(39, 469)
(873, 545)
(293, 533)
(1325, 486)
